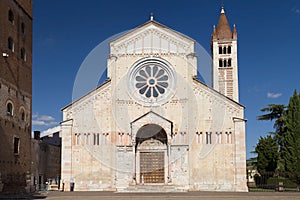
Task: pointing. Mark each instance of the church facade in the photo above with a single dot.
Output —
(152, 125)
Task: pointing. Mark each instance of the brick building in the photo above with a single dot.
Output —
(15, 94)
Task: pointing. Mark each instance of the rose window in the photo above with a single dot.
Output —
(151, 81)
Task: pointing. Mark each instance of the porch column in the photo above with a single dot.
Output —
(134, 164)
(137, 167)
(169, 163)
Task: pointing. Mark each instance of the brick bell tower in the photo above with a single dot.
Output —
(15, 94)
(224, 58)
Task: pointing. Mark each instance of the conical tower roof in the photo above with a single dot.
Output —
(223, 29)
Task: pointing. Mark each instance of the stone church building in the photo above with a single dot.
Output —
(152, 125)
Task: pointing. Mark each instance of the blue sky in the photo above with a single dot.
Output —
(65, 32)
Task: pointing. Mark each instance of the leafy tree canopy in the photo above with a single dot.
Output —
(267, 154)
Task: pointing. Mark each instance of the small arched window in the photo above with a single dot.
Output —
(16, 145)
(220, 63)
(23, 28)
(228, 137)
(224, 50)
(9, 109)
(229, 62)
(225, 63)
(220, 50)
(23, 54)
(10, 44)
(23, 115)
(208, 137)
(11, 16)
(229, 49)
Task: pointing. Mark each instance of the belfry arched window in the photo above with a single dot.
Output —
(224, 50)
(229, 63)
(229, 49)
(225, 62)
(220, 63)
(220, 50)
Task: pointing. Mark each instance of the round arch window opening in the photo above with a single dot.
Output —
(152, 81)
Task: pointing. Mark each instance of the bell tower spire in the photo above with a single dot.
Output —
(224, 58)
(222, 10)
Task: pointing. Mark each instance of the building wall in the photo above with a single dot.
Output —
(46, 161)
(15, 88)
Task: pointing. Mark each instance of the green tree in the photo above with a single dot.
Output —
(276, 112)
(267, 155)
(291, 139)
(267, 159)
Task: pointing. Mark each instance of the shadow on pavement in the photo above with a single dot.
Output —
(24, 196)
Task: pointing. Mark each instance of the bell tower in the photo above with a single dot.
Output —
(224, 58)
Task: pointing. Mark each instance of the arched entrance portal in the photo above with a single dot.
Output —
(151, 154)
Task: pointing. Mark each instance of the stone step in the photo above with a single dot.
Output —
(151, 188)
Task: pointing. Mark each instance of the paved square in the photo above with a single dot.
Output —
(169, 196)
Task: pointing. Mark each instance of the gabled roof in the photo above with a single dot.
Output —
(79, 99)
(219, 93)
(151, 112)
(155, 23)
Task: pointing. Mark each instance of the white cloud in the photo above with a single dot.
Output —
(38, 123)
(43, 120)
(35, 115)
(273, 95)
(296, 11)
(53, 123)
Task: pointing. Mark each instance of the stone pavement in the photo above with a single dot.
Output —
(54, 195)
